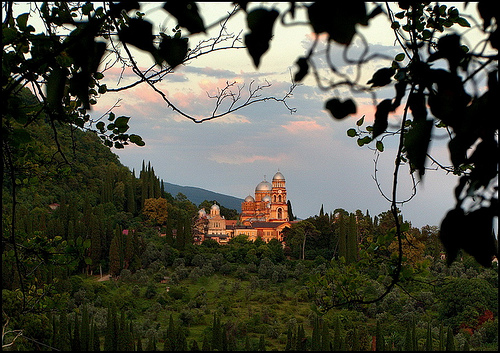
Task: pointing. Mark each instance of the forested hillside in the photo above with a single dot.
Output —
(73, 214)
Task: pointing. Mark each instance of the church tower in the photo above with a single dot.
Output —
(279, 207)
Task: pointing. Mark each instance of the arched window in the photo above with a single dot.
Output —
(279, 198)
(280, 213)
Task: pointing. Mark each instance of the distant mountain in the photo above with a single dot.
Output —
(198, 195)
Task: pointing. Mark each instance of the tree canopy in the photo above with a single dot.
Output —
(440, 83)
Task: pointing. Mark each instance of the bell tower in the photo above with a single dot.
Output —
(279, 207)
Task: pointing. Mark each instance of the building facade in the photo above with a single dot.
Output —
(269, 203)
(263, 215)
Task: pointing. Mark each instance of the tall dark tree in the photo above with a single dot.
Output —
(76, 344)
(85, 330)
(111, 333)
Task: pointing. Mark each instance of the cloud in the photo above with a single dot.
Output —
(210, 72)
(303, 126)
(242, 159)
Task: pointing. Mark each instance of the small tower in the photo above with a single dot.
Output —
(216, 223)
(279, 207)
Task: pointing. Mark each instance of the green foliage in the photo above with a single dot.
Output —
(476, 296)
(50, 157)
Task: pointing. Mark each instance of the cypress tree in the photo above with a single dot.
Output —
(53, 334)
(75, 341)
(301, 339)
(216, 334)
(414, 335)
(85, 330)
(128, 251)
(316, 336)
(169, 232)
(95, 242)
(356, 342)
(325, 338)
(379, 338)
(337, 337)
(139, 344)
(63, 338)
(341, 230)
(180, 339)
(291, 216)
(96, 341)
(130, 196)
(408, 346)
(450, 340)
(441, 338)
(114, 257)
(352, 240)
(289, 340)
(224, 339)
(169, 343)
(122, 339)
(428, 338)
(111, 335)
(188, 233)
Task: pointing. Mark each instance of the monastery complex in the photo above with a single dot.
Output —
(264, 215)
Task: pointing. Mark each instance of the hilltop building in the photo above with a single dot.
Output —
(264, 215)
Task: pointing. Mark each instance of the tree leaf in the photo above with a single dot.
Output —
(400, 57)
(382, 77)
(479, 240)
(450, 233)
(416, 103)
(380, 146)
(303, 69)
(121, 123)
(187, 15)
(339, 109)
(416, 143)
(351, 132)
(55, 87)
(139, 33)
(338, 19)
(173, 50)
(381, 116)
(260, 22)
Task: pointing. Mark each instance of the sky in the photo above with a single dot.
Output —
(323, 167)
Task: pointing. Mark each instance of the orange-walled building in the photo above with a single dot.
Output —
(269, 203)
(264, 215)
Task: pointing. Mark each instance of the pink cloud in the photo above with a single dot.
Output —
(368, 110)
(301, 126)
(242, 159)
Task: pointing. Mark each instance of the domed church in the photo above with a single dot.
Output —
(264, 216)
(269, 203)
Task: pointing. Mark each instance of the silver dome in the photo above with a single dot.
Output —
(264, 186)
(278, 176)
(249, 198)
(266, 198)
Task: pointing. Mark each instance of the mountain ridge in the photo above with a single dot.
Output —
(197, 195)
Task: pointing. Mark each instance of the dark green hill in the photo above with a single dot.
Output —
(198, 195)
